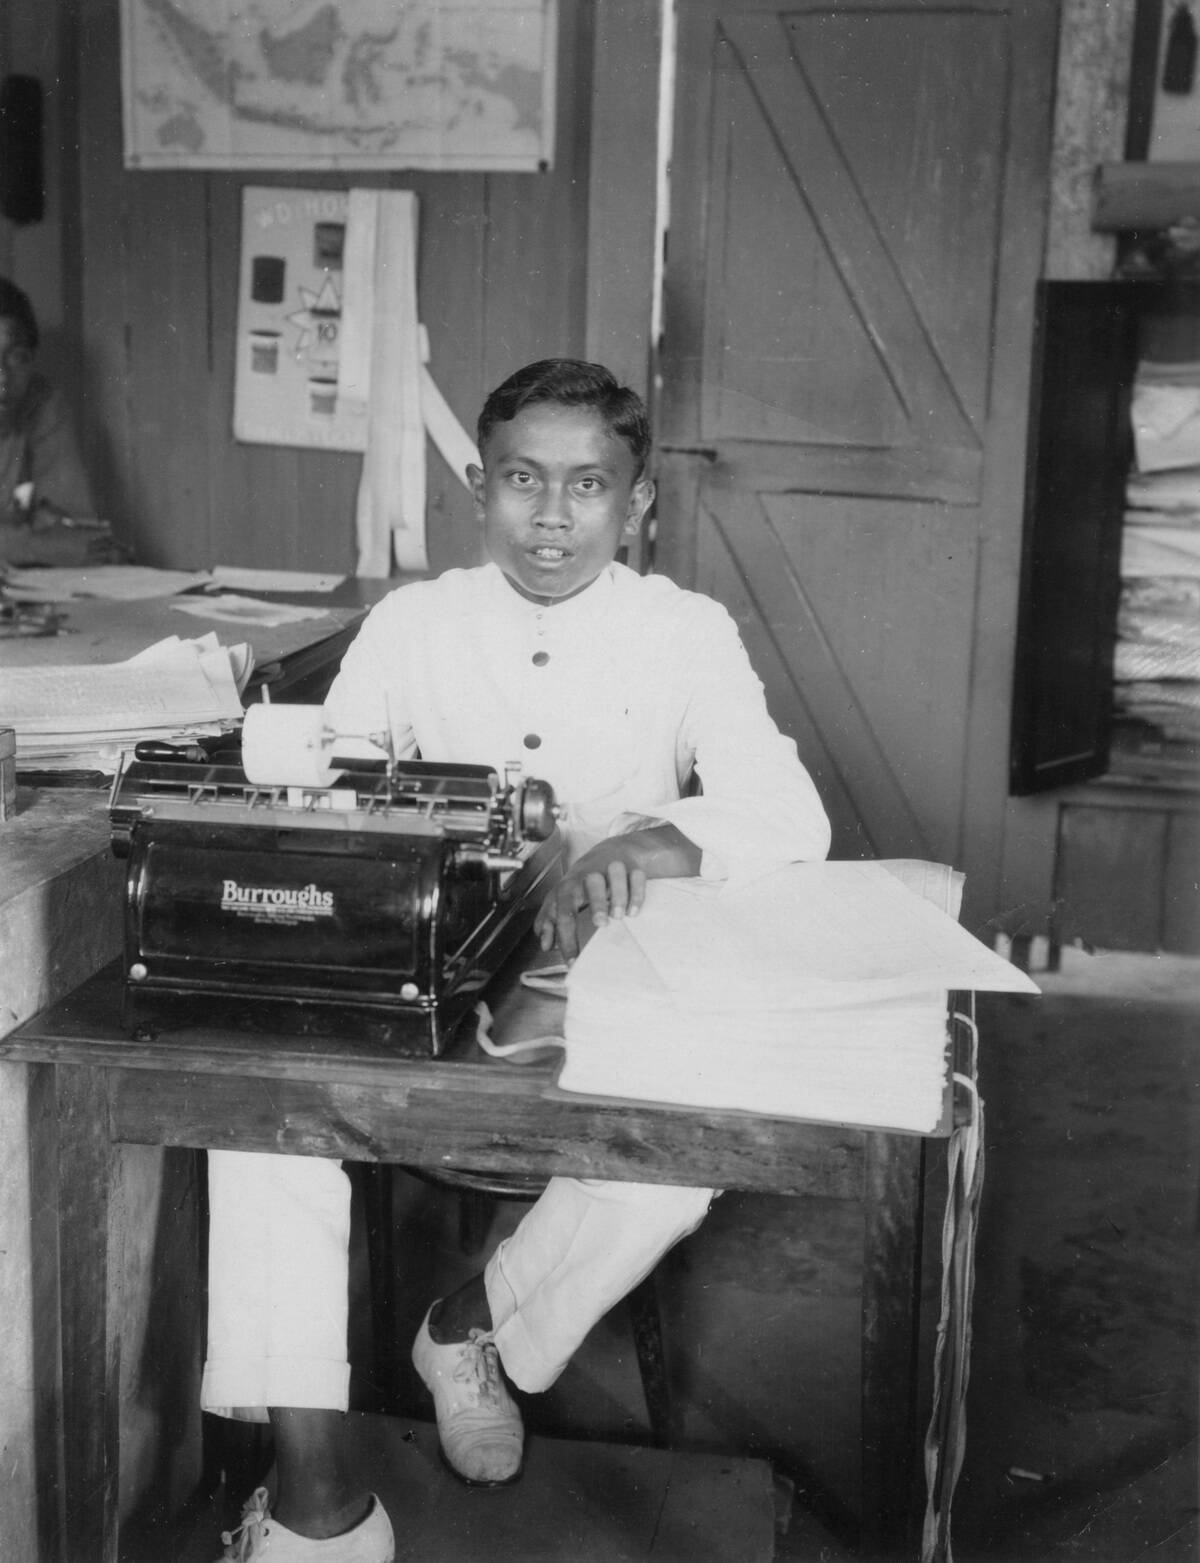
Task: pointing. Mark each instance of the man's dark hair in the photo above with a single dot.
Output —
(570, 382)
(15, 306)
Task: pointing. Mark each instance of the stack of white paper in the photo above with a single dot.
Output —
(1165, 413)
(818, 992)
(84, 717)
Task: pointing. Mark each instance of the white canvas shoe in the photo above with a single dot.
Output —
(478, 1422)
(260, 1539)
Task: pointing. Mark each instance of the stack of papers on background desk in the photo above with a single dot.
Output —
(83, 718)
(1165, 414)
(113, 582)
(132, 582)
(816, 992)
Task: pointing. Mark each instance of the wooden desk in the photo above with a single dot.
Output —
(296, 660)
(60, 920)
(207, 1088)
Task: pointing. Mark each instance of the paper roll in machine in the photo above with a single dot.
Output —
(309, 883)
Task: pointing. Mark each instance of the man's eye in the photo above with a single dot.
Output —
(589, 485)
(521, 479)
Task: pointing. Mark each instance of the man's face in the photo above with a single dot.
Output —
(557, 494)
(16, 365)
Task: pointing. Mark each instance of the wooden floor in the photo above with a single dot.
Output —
(587, 1502)
(1084, 1366)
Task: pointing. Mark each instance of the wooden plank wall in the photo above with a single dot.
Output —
(501, 280)
(31, 253)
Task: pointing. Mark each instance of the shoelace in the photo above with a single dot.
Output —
(481, 1362)
(242, 1543)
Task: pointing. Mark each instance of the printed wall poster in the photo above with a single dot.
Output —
(305, 84)
(290, 322)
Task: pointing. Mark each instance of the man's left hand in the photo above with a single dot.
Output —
(609, 881)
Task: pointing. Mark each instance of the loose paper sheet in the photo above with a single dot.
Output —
(239, 579)
(231, 608)
(116, 582)
(812, 932)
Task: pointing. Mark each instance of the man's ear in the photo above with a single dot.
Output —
(476, 481)
(640, 499)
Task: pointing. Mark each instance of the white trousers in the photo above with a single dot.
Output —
(278, 1276)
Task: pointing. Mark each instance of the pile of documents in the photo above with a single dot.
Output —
(1162, 525)
(83, 718)
(815, 992)
(1157, 658)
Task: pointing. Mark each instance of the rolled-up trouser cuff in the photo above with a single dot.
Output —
(244, 1388)
(581, 1248)
(278, 1284)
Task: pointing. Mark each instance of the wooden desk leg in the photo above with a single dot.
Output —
(91, 1359)
(893, 1211)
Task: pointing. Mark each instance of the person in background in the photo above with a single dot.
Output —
(47, 514)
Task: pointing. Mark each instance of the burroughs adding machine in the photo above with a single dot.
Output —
(296, 888)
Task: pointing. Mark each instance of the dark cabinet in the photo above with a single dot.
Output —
(1127, 843)
(1080, 452)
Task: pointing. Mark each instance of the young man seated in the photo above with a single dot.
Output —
(47, 515)
(613, 687)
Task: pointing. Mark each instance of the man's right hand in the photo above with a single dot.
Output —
(609, 881)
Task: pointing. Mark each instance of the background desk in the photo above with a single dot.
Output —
(297, 660)
(60, 906)
(208, 1088)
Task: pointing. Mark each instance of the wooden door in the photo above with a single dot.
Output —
(856, 214)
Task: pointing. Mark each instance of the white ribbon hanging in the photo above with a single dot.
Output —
(384, 351)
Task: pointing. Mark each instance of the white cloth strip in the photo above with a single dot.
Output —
(391, 496)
